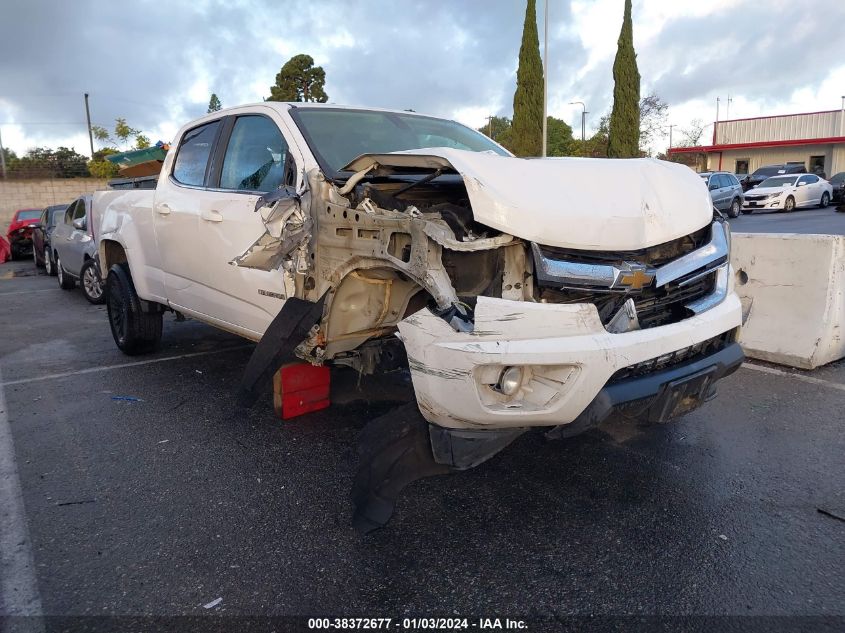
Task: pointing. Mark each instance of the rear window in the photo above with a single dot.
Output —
(194, 150)
(29, 214)
(772, 170)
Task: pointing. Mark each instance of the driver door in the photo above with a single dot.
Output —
(804, 192)
(255, 158)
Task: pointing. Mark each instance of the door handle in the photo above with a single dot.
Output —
(211, 216)
(163, 209)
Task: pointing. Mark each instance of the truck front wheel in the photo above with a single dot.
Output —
(134, 331)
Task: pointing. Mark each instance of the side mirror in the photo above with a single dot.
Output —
(79, 224)
(713, 186)
(801, 184)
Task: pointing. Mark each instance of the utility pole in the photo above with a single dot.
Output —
(583, 118)
(90, 134)
(2, 158)
(490, 126)
(717, 108)
(728, 108)
(545, 73)
(671, 125)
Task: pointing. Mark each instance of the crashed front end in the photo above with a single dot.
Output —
(520, 296)
(544, 362)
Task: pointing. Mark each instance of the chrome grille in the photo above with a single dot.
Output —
(675, 280)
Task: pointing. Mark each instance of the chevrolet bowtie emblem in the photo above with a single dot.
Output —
(636, 279)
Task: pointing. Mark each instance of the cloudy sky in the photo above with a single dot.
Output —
(157, 63)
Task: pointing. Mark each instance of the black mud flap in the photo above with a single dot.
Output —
(288, 329)
(395, 451)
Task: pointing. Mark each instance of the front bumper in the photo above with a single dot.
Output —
(770, 203)
(566, 354)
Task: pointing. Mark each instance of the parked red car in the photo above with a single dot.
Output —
(5, 251)
(20, 231)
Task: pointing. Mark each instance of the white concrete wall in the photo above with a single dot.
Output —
(792, 289)
(36, 194)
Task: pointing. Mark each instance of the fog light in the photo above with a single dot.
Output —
(511, 380)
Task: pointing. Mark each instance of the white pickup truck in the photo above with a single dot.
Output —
(520, 292)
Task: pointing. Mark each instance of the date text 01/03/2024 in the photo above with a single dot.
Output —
(417, 624)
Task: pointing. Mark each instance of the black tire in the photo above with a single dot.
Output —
(49, 262)
(824, 201)
(65, 281)
(92, 284)
(14, 253)
(134, 331)
(35, 257)
(789, 205)
(733, 211)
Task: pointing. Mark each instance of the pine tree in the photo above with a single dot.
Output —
(299, 80)
(624, 133)
(528, 98)
(214, 103)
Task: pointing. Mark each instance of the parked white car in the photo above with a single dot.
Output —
(789, 192)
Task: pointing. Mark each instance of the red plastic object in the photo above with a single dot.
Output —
(300, 388)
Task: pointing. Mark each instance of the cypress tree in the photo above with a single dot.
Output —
(624, 134)
(528, 98)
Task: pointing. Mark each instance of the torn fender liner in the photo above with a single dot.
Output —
(288, 329)
(463, 449)
(395, 451)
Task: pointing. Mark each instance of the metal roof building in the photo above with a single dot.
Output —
(742, 145)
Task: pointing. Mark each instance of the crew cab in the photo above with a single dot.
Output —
(516, 296)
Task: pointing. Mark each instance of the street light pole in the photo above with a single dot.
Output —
(583, 118)
(671, 125)
(2, 158)
(90, 134)
(545, 73)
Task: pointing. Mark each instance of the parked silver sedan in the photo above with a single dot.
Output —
(75, 250)
(725, 191)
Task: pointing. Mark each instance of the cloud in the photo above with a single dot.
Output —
(156, 63)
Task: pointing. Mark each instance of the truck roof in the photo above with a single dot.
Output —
(286, 105)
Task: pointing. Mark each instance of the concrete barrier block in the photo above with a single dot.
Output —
(792, 289)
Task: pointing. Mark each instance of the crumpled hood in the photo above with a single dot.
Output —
(585, 203)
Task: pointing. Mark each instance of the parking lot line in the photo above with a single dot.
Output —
(26, 292)
(91, 370)
(808, 379)
(19, 594)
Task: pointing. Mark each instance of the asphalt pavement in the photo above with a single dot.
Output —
(824, 221)
(146, 491)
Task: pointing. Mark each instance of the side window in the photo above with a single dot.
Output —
(194, 150)
(812, 179)
(43, 219)
(722, 181)
(805, 180)
(69, 212)
(255, 156)
(730, 181)
(79, 210)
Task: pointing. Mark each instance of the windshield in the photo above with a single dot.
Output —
(840, 177)
(29, 214)
(778, 181)
(763, 172)
(337, 136)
